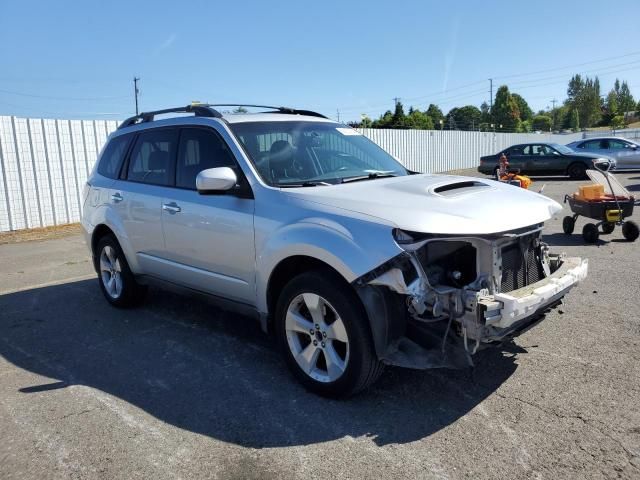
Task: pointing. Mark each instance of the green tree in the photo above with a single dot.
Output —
(583, 95)
(626, 103)
(465, 118)
(434, 112)
(385, 120)
(574, 120)
(542, 123)
(611, 103)
(419, 120)
(399, 117)
(505, 110)
(484, 112)
(617, 122)
(523, 107)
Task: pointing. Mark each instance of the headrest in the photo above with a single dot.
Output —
(280, 151)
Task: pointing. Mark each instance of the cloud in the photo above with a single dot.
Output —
(450, 56)
(166, 44)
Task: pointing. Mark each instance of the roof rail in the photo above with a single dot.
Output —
(291, 111)
(207, 110)
(199, 110)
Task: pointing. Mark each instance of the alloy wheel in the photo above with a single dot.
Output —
(316, 337)
(111, 272)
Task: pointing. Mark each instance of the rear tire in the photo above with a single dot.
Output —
(630, 231)
(608, 227)
(117, 282)
(568, 224)
(590, 233)
(324, 335)
(577, 171)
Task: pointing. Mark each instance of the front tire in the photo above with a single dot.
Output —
(577, 171)
(117, 282)
(324, 335)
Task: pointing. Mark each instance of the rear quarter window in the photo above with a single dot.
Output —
(113, 156)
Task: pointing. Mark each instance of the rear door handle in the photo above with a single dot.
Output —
(171, 207)
(116, 197)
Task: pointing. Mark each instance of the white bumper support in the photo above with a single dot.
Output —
(524, 302)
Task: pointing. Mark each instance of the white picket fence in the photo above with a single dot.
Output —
(44, 163)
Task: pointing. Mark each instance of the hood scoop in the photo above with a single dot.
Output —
(460, 188)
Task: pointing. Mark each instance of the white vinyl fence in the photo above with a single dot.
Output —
(44, 163)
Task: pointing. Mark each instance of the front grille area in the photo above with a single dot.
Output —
(521, 264)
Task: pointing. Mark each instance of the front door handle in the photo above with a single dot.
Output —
(171, 207)
(116, 197)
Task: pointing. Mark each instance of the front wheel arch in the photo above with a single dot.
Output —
(291, 267)
(577, 170)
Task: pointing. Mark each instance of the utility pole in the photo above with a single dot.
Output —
(553, 102)
(338, 112)
(490, 94)
(136, 91)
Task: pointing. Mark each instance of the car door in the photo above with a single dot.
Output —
(530, 158)
(137, 196)
(516, 158)
(542, 159)
(209, 238)
(627, 154)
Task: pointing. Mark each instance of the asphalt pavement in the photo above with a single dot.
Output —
(181, 389)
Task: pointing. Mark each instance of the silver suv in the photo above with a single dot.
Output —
(350, 259)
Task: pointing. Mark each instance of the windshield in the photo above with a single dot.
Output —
(312, 153)
(561, 148)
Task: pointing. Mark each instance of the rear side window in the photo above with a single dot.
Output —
(113, 155)
(591, 145)
(200, 149)
(152, 157)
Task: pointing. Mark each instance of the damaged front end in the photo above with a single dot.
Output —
(445, 297)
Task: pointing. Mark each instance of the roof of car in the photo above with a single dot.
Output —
(272, 114)
(603, 138)
(271, 117)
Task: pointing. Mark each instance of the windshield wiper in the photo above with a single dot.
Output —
(307, 183)
(369, 176)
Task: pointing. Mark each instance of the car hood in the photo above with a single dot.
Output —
(436, 203)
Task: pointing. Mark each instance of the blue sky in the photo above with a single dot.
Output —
(77, 59)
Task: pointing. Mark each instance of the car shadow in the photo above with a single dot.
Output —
(203, 370)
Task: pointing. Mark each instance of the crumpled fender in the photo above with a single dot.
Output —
(350, 251)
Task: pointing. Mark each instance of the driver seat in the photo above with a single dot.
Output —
(280, 159)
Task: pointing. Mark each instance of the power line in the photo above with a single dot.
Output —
(32, 95)
(569, 66)
(436, 94)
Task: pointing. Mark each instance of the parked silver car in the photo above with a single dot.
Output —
(352, 260)
(625, 152)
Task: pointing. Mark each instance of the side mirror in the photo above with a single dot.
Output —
(602, 164)
(216, 180)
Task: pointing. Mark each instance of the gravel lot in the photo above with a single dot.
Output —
(180, 389)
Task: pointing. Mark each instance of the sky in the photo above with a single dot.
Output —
(67, 59)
